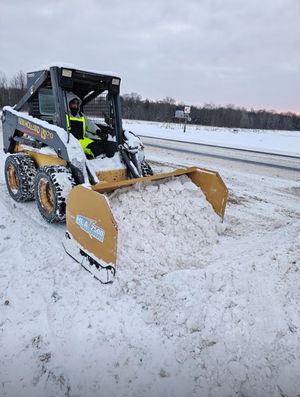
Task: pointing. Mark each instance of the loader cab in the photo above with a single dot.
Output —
(99, 93)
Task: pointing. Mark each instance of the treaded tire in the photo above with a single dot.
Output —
(20, 171)
(146, 169)
(51, 187)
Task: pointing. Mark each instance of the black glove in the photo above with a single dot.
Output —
(102, 135)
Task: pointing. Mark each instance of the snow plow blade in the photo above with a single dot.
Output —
(91, 237)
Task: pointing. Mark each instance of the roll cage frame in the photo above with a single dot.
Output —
(86, 85)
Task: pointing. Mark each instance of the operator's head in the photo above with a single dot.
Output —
(74, 106)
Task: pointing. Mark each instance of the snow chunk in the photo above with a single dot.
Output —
(106, 163)
(132, 140)
(289, 379)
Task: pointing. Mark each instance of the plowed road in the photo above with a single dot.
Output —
(236, 158)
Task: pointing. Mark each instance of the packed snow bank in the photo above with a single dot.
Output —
(163, 226)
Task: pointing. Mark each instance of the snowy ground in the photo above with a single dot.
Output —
(223, 319)
(281, 142)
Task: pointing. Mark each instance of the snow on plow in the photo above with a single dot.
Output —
(92, 230)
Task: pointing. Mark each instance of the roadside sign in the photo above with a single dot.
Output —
(179, 114)
(184, 115)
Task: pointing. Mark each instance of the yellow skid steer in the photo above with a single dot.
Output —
(50, 163)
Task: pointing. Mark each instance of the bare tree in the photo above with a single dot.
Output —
(3, 90)
(18, 81)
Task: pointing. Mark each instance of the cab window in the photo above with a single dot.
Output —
(46, 102)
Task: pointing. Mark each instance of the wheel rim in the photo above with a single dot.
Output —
(12, 178)
(46, 195)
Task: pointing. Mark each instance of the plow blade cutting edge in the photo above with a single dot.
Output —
(92, 232)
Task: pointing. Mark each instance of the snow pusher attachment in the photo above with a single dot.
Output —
(91, 237)
(92, 231)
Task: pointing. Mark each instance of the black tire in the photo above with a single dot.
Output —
(20, 171)
(146, 169)
(51, 187)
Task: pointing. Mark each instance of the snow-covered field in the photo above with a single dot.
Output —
(280, 142)
(198, 307)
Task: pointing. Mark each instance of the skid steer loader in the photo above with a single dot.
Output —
(47, 163)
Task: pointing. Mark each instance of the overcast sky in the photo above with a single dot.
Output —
(245, 53)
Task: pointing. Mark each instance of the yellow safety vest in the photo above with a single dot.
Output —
(77, 126)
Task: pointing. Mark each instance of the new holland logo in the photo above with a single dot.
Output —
(90, 227)
(36, 129)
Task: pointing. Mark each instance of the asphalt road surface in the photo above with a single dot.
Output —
(175, 151)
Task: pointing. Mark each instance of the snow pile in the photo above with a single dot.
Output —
(105, 164)
(163, 226)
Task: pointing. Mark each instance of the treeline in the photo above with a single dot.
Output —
(12, 90)
(134, 107)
